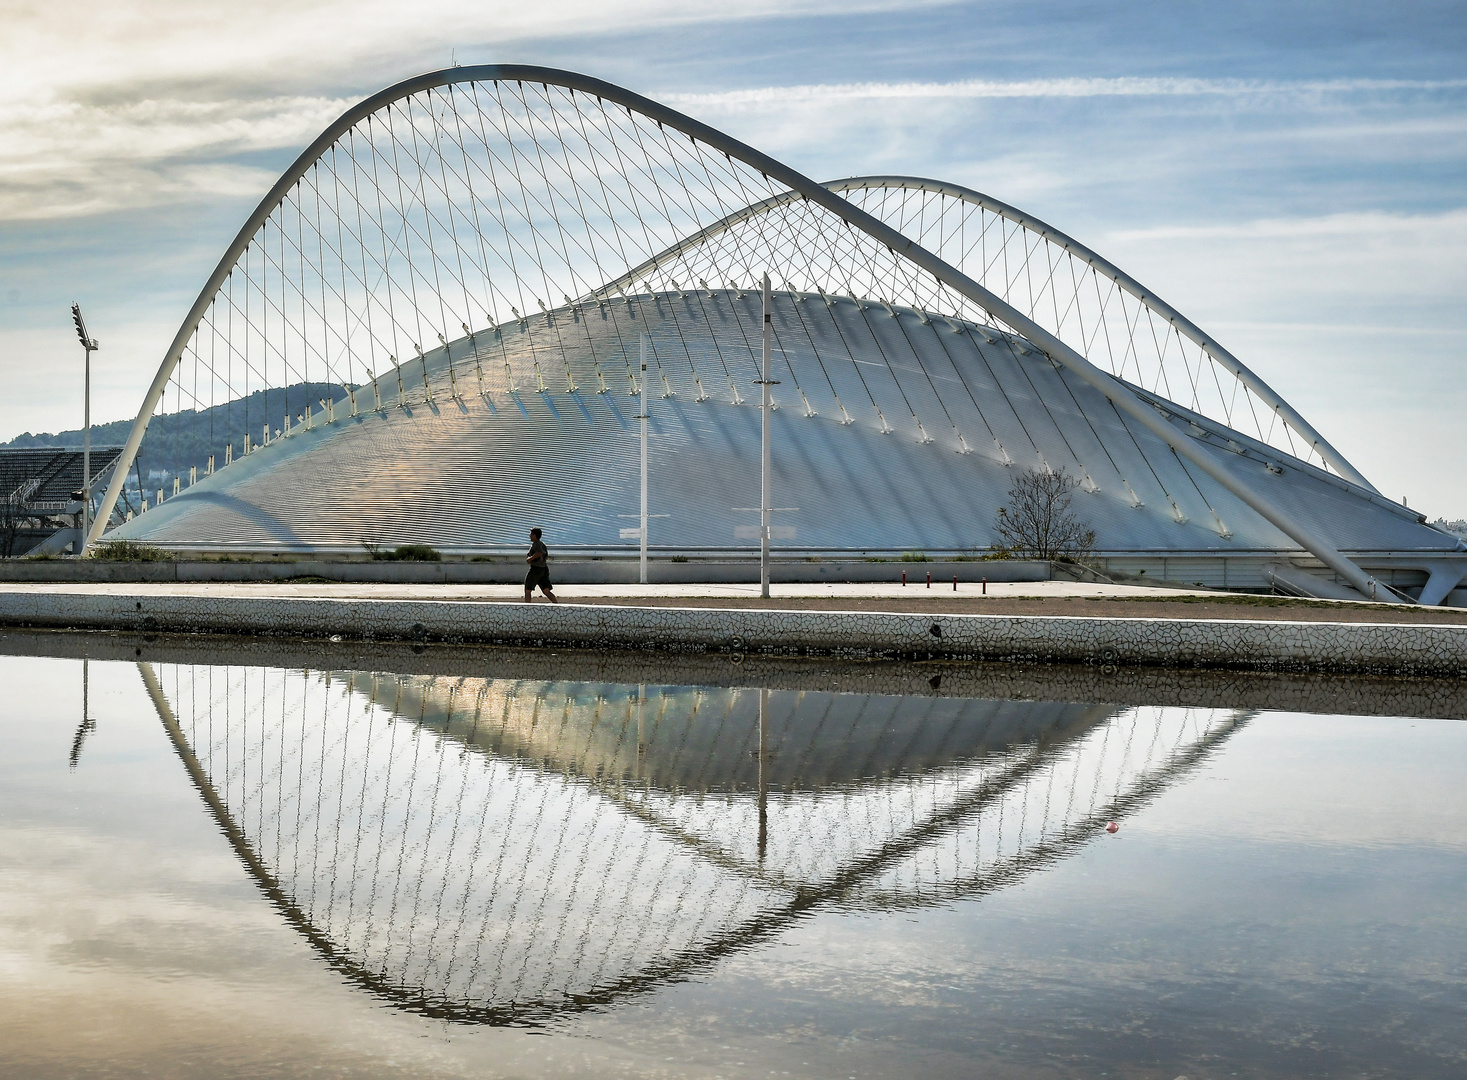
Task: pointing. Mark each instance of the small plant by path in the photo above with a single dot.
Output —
(128, 551)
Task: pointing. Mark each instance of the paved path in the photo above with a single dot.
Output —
(1009, 598)
(850, 626)
(584, 593)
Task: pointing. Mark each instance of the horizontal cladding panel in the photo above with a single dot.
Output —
(481, 470)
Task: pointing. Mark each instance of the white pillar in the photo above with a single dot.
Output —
(764, 493)
(643, 518)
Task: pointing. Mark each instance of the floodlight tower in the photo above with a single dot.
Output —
(89, 344)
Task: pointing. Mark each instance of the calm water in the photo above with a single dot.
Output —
(255, 864)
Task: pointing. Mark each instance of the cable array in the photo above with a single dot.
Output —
(1082, 303)
(458, 214)
(491, 239)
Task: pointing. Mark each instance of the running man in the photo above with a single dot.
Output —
(539, 560)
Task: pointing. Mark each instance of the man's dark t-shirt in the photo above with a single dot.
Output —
(539, 574)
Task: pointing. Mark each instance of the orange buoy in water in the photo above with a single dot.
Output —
(1112, 827)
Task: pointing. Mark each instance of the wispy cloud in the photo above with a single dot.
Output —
(1052, 88)
(110, 106)
(66, 158)
(1448, 226)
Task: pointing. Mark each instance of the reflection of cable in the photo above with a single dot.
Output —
(601, 888)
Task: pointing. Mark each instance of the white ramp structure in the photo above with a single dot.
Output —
(473, 257)
(503, 850)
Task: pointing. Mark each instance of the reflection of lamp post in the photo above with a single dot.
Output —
(87, 725)
(763, 757)
(90, 345)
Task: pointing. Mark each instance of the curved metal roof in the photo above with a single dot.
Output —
(894, 430)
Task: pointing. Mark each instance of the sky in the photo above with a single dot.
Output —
(1292, 175)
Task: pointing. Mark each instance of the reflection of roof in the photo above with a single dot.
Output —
(383, 818)
(704, 739)
(43, 479)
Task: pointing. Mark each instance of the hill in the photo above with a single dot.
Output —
(176, 442)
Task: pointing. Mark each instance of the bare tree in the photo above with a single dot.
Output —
(14, 518)
(1038, 522)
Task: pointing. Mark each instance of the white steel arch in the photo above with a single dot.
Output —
(936, 218)
(577, 180)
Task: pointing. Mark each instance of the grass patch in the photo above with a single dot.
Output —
(405, 553)
(128, 551)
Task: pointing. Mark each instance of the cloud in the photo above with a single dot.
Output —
(1133, 148)
(103, 45)
(1389, 265)
(122, 105)
(1354, 317)
(67, 158)
(1050, 88)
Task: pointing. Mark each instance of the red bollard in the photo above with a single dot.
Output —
(985, 586)
(955, 583)
(904, 578)
(929, 579)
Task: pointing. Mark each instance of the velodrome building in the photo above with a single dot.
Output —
(480, 261)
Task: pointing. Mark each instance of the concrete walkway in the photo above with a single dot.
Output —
(867, 621)
(857, 594)
(1041, 598)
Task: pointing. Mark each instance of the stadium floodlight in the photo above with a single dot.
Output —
(89, 344)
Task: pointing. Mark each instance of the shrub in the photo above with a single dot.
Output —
(403, 552)
(128, 551)
(413, 553)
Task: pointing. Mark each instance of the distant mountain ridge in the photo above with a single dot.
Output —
(176, 442)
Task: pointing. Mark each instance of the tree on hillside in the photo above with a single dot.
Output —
(1039, 522)
(14, 518)
(178, 441)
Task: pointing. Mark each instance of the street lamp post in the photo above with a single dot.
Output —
(642, 524)
(765, 528)
(765, 384)
(640, 531)
(89, 344)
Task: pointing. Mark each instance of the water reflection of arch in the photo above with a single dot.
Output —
(498, 850)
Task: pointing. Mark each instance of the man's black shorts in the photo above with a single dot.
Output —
(538, 575)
